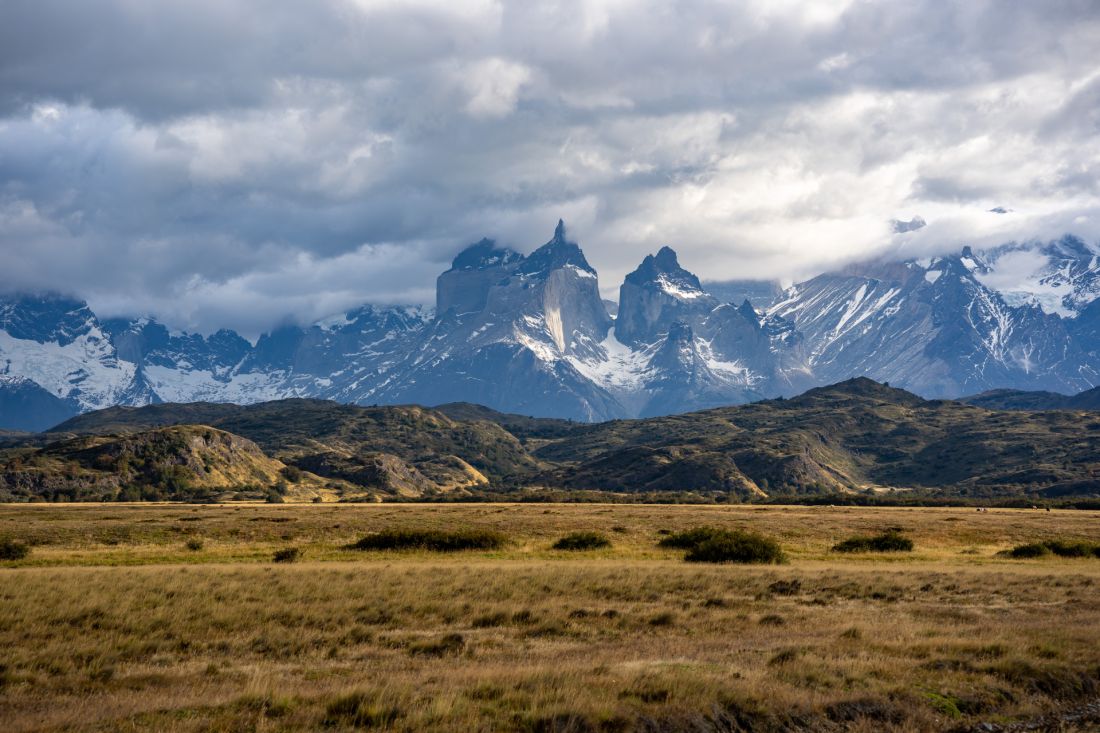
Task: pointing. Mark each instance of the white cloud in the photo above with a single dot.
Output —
(261, 154)
(493, 86)
(836, 62)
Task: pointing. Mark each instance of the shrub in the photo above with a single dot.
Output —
(445, 645)
(1058, 547)
(272, 706)
(784, 657)
(13, 549)
(525, 616)
(734, 546)
(945, 704)
(646, 694)
(287, 554)
(582, 541)
(1035, 549)
(688, 538)
(711, 544)
(663, 619)
(786, 587)
(1070, 549)
(489, 620)
(194, 544)
(359, 710)
(431, 539)
(886, 542)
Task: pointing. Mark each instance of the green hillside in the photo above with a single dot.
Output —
(400, 451)
(856, 436)
(173, 463)
(850, 436)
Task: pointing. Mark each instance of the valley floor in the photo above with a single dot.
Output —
(113, 622)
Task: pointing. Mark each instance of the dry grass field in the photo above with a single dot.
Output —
(175, 618)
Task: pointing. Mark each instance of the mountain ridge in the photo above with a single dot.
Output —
(856, 437)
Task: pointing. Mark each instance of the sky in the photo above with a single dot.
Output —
(217, 163)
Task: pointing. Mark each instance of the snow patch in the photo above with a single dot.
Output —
(1026, 277)
(679, 290)
(618, 368)
(180, 385)
(334, 323)
(86, 367)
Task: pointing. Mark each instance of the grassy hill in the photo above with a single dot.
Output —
(122, 419)
(175, 463)
(858, 435)
(522, 426)
(1018, 399)
(849, 436)
(398, 451)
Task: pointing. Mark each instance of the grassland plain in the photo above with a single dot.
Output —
(174, 617)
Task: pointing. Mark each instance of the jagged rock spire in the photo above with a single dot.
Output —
(556, 253)
(666, 259)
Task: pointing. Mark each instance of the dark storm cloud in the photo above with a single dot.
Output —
(232, 163)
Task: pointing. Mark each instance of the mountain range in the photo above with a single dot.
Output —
(530, 334)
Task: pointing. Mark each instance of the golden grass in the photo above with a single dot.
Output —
(113, 623)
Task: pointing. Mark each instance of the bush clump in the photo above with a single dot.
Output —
(711, 544)
(449, 644)
(194, 544)
(13, 549)
(708, 544)
(1072, 549)
(1060, 548)
(886, 542)
(431, 539)
(360, 710)
(287, 554)
(689, 538)
(1034, 549)
(582, 541)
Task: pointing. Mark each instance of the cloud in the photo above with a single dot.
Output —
(493, 85)
(220, 162)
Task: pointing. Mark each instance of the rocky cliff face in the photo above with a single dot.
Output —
(465, 287)
(533, 314)
(656, 295)
(531, 335)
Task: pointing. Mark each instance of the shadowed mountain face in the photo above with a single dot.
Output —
(26, 406)
(1015, 399)
(656, 295)
(847, 437)
(530, 334)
